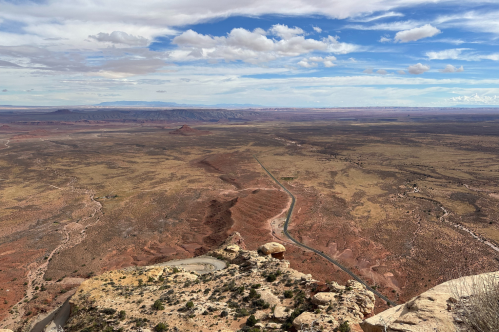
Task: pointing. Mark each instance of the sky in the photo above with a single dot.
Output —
(278, 53)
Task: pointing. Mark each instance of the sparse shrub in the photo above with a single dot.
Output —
(478, 301)
(253, 294)
(271, 277)
(288, 294)
(158, 305)
(224, 314)
(161, 327)
(108, 311)
(251, 321)
(122, 315)
(344, 327)
(151, 279)
(241, 312)
(189, 305)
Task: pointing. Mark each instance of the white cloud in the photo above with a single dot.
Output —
(285, 32)
(120, 37)
(425, 31)
(384, 39)
(253, 47)
(417, 69)
(329, 64)
(389, 26)
(5, 90)
(445, 54)
(401, 72)
(476, 99)
(312, 61)
(381, 72)
(451, 69)
(457, 54)
(305, 64)
(377, 17)
(368, 71)
(449, 41)
(317, 29)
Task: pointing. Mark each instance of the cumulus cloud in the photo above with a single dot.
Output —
(306, 64)
(161, 91)
(417, 69)
(401, 72)
(120, 37)
(425, 31)
(254, 46)
(313, 61)
(5, 90)
(317, 29)
(285, 32)
(368, 71)
(381, 72)
(445, 54)
(451, 69)
(384, 39)
(476, 99)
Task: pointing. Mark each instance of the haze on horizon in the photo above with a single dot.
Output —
(275, 53)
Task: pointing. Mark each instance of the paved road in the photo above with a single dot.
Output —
(201, 264)
(320, 253)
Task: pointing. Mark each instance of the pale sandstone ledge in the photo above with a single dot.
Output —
(433, 310)
(253, 283)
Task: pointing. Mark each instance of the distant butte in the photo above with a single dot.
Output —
(185, 130)
(63, 111)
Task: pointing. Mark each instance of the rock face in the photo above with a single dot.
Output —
(434, 310)
(278, 296)
(274, 249)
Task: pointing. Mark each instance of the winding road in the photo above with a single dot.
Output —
(320, 253)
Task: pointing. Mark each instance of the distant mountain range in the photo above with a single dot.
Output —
(170, 104)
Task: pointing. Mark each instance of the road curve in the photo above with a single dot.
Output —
(320, 253)
(201, 264)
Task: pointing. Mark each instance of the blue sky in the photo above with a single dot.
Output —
(292, 53)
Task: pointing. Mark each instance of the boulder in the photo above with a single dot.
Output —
(280, 313)
(273, 248)
(273, 326)
(269, 297)
(233, 248)
(324, 298)
(310, 319)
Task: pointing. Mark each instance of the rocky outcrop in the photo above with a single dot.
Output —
(252, 284)
(274, 249)
(437, 309)
(308, 320)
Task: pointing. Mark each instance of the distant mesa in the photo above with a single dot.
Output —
(63, 111)
(5, 127)
(185, 130)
